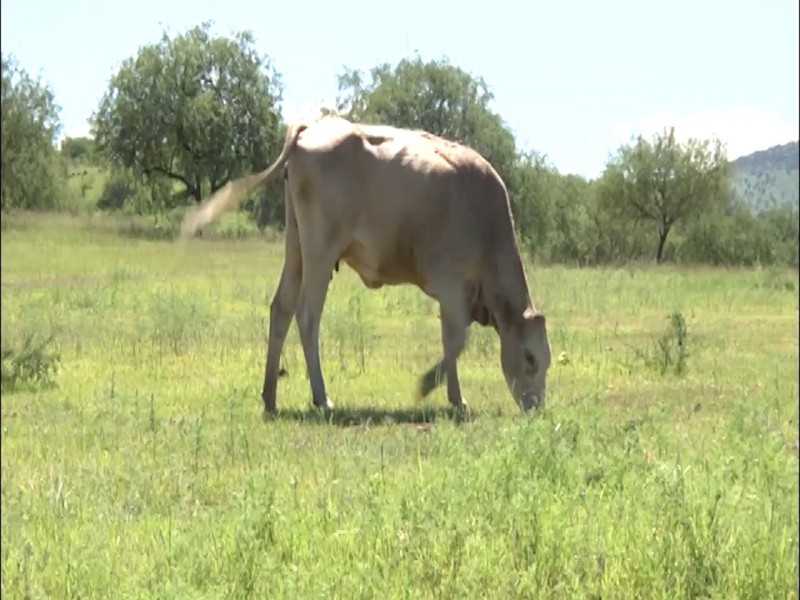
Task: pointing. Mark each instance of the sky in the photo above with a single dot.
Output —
(572, 80)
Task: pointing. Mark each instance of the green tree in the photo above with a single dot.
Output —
(608, 238)
(435, 96)
(726, 237)
(31, 176)
(196, 109)
(78, 148)
(664, 182)
(568, 239)
(532, 182)
(783, 228)
(129, 190)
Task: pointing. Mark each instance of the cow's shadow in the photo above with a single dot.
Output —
(349, 416)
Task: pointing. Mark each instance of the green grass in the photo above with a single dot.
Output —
(147, 471)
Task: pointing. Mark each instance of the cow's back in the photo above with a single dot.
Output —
(405, 201)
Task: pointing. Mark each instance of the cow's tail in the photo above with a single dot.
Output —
(232, 193)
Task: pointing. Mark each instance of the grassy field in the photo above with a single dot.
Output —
(145, 470)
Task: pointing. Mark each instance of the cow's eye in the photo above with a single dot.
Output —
(530, 358)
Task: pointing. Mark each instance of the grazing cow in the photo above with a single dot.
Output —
(399, 207)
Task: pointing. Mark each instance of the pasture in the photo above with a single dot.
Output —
(145, 470)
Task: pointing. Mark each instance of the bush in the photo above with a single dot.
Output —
(29, 362)
(125, 191)
(739, 237)
(233, 225)
(668, 351)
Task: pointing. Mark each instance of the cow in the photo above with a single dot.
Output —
(398, 206)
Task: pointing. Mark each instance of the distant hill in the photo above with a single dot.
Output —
(769, 178)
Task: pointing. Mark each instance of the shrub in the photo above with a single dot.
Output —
(30, 362)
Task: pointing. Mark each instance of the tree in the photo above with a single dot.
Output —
(531, 183)
(568, 237)
(435, 96)
(663, 182)
(78, 148)
(197, 109)
(30, 176)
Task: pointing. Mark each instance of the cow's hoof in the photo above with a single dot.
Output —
(460, 406)
(268, 414)
(324, 405)
(268, 400)
(269, 406)
(461, 412)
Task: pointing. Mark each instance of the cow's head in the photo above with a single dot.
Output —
(525, 359)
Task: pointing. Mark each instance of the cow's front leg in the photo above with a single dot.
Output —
(454, 335)
(313, 291)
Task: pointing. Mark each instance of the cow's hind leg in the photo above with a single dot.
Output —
(314, 289)
(282, 308)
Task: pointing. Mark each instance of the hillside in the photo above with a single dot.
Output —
(769, 178)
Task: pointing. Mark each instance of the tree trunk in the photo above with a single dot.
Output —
(198, 191)
(216, 185)
(663, 232)
(193, 192)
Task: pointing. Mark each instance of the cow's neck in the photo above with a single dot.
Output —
(508, 297)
